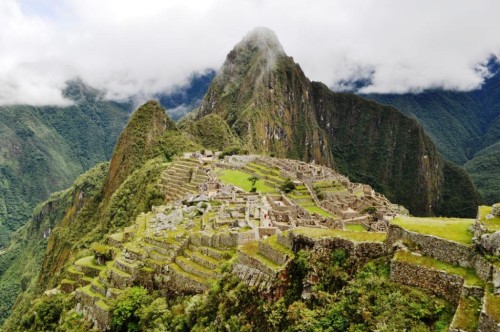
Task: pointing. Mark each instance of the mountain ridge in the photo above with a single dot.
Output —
(274, 110)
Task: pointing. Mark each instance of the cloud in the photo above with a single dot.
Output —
(143, 47)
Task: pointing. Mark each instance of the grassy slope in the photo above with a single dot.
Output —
(468, 274)
(20, 264)
(240, 179)
(484, 169)
(447, 228)
(85, 222)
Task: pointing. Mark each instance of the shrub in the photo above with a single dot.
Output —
(288, 186)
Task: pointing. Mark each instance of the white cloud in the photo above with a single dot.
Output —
(142, 47)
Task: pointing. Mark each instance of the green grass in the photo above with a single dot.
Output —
(273, 242)
(118, 237)
(492, 224)
(179, 270)
(240, 179)
(454, 229)
(355, 227)
(350, 235)
(467, 314)
(468, 274)
(89, 262)
(87, 290)
(252, 250)
(101, 304)
(318, 210)
(493, 305)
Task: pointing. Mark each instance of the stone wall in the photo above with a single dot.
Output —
(254, 263)
(482, 266)
(496, 278)
(273, 254)
(441, 249)
(285, 240)
(486, 322)
(440, 283)
(472, 291)
(87, 305)
(223, 240)
(182, 283)
(360, 252)
(253, 277)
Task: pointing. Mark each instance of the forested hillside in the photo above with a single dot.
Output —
(464, 125)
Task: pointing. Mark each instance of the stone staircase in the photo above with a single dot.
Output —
(197, 267)
(180, 178)
(260, 262)
(84, 277)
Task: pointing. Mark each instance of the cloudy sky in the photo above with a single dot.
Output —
(142, 47)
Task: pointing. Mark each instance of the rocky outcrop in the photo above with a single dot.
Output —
(491, 243)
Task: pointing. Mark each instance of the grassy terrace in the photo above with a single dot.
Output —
(318, 210)
(273, 242)
(454, 229)
(468, 274)
(328, 186)
(492, 224)
(493, 304)
(302, 197)
(355, 227)
(349, 235)
(87, 290)
(90, 262)
(252, 250)
(264, 171)
(179, 270)
(467, 315)
(240, 179)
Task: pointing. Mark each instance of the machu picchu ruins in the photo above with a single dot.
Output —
(215, 219)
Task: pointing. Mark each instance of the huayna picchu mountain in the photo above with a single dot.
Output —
(269, 103)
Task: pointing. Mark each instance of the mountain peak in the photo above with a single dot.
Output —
(263, 39)
(258, 52)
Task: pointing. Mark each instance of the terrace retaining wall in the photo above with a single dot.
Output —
(438, 282)
(444, 250)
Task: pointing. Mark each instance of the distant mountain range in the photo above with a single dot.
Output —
(44, 149)
(464, 125)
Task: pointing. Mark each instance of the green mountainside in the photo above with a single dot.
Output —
(464, 125)
(44, 149)
(166, 242)
(274, 109)
(161, 239)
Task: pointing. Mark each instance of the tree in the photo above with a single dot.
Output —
(288, 186)
(253, 180)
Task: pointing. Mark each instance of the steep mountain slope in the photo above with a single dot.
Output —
(45, 148)
(269, 103)
(21, 262)
(265, 99)
(463, 125)
(100, 201)
(186, 97)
